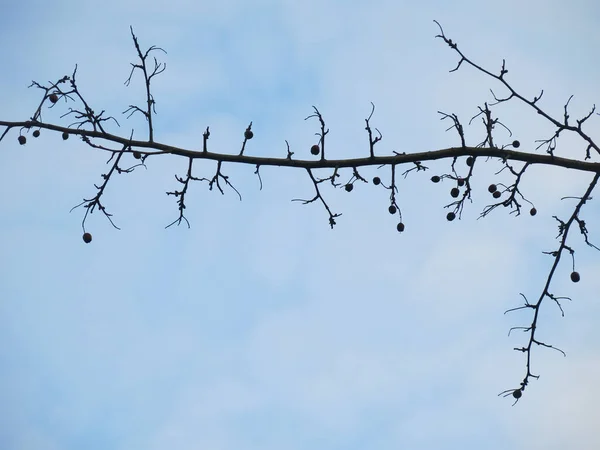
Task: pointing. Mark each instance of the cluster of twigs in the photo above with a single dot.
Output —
(89, 127)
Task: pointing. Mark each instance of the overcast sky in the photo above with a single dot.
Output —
(260, 327)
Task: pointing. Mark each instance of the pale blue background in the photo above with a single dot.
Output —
(261, 328)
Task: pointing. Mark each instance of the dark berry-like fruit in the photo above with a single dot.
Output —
(470, 161)
(575, 277)
(349, 187)
(22, 139)
(435, 179)
(460, 181)
(248, 134)
(454, 192)
(450, 216)
(496, 194)
(36, 133)
(517, 393)
(53, 97)
(87, 238)
(376, 181)
(516, 144)
(315, 149)
(137, 155)
(392, 209)
(65, 135)
(492, 188)
(400, 227)
(533, 211)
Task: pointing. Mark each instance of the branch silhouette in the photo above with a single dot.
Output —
(89, 127)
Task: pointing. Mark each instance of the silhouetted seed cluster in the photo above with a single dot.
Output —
(454, 192)
(36, 134)
(392, 209)
(493, 189)
(23, 140)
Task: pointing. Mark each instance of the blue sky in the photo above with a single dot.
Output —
(260, 327)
